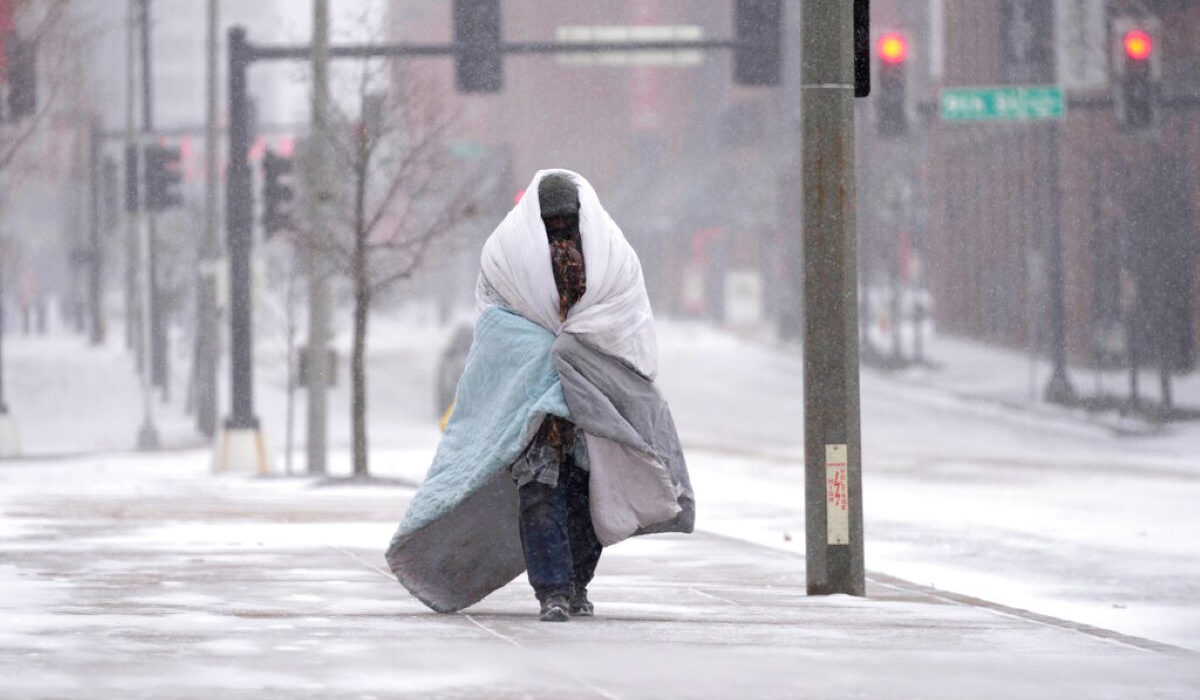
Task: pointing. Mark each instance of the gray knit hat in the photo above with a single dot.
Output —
(557, 196)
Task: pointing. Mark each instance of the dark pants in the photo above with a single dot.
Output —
(561, 549)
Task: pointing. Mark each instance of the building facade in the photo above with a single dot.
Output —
(992, 195)
(695, 169)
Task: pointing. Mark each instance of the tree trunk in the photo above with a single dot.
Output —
(290, 315)
(362, 306)
(358, 373)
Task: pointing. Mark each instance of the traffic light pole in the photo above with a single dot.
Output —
(832, 445)
(240, 241)
(241, 447)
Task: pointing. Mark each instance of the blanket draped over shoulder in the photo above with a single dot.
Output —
(459, 540)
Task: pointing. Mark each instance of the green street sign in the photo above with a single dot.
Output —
(1009, 103)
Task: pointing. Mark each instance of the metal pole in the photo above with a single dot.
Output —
(158, 326)
(239, 222)
(317, 374)
(832, 447)
(208, 326)
(1058, 389)
(95, 293)
(132, 256)
(148, 433)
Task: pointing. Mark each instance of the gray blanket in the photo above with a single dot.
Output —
(646, 489)
(639, 484)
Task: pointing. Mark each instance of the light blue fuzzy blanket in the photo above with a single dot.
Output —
(508, 385)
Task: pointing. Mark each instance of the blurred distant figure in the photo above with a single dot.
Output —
(33, 306)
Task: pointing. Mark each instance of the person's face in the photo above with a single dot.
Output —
(561, 226)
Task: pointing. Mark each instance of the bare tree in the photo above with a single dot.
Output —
(279, 317)
(402, 191)
(45, 149)
(49, 34)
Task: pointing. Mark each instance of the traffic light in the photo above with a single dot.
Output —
(277, 194)
(21, 70)
(758, 30)
(1137, 72)
(163, 176)
(891, 98)
(478, 64)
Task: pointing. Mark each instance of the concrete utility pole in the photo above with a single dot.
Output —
(832, 446)
(317, 369)
(208, 327)
(148, 433)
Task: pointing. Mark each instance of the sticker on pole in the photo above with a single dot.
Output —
(837, 495)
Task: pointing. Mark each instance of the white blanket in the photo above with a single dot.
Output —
(613, 315)
(630, 490)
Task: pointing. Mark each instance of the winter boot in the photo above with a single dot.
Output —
(554, 609)
(580, 605)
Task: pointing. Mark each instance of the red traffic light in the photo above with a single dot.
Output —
(893, 48)
(1138, 45)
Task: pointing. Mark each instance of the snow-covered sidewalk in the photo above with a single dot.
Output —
(132, 576)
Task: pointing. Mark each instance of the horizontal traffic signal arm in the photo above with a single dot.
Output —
(304, 53)
(481, 48)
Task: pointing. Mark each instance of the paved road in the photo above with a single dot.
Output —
(142, 577)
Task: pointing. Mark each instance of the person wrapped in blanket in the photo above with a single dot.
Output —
(560, 546)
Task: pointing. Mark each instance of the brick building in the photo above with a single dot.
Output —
(1126, 204)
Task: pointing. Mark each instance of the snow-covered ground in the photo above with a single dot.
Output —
(1037, 508)
(143, 576)
(965, 487)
